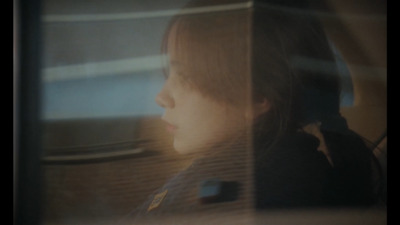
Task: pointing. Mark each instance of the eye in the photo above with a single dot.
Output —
(183, 81)
(177, 76)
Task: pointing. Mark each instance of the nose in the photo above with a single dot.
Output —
(164, 99)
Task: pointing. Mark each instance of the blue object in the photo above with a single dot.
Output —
(210, 188)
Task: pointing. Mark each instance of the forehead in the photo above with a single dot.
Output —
(184, 49)
(212, 52)
(201, 34)
(177, 39)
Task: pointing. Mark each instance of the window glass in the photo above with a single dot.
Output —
(127, 87)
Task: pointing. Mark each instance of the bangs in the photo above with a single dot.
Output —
(213, 50)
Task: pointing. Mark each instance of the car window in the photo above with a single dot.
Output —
(105, 153)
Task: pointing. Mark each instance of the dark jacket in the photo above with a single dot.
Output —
(231, 166)
(293, 173)
(290, 173)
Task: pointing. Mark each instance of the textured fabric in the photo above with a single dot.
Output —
(290, 173)
(293, 173)
(230, 166)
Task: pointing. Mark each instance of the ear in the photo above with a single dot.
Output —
(260, 107)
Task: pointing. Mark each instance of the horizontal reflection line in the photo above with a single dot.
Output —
(140, 15)
(155, 62)
(108, 68)
(172, 12)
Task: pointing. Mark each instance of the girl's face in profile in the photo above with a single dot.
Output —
(204, 67)
(196, 121)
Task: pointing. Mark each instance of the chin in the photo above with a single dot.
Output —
(186, 148)
(181, 148)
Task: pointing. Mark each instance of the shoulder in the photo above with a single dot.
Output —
(176, 195)
(295, 151)
(291, 173)
(192, 190)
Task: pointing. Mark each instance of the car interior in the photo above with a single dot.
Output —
(101, 148)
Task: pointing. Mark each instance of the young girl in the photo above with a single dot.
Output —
(264, 126)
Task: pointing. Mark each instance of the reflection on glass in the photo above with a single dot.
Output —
(197, 111)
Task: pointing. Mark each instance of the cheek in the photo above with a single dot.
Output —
(203, 130)
(194, 134)
(203, 123)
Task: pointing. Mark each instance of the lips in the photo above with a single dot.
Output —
(171, 128)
